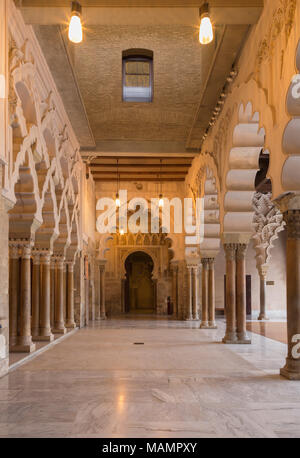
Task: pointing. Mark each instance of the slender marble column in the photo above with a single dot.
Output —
(175, 290)
(52, 291)
(102, 291)
(292, 367)
(196, 298)
(13, 295)
(211, 295)
(70, 304)
(241, 294)
(204, 323)
(35, 318)
(230, 335)
(59, 325)
(24, 342)
(45, 326)
(189, 316)
(65, 292)
(263, 292)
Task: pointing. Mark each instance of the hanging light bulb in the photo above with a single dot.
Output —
(161, 202)
(121, 231)
(75, 28)
(117, 201)
(206, 34)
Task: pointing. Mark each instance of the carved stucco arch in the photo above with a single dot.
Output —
(291, 136)
(140, 248)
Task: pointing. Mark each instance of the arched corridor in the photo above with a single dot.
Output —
(149, 218)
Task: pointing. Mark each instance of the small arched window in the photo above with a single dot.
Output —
(137, 75)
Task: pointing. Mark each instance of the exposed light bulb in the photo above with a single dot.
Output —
(117, 201)
(161, 202)
(75, 29)
(122, 231)
(206, 34)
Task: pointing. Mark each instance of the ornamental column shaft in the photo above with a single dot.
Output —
(45, 322)
(292, 367)
(59, 326)
(211, 295)
(230, 335)
(52, 291)
(24, 342)
(204, 322)
(35, 318)
(102, 292)
(70, 304)
(189, 316)
(196, 298)
(13, 295)
(263, 293)
(241, 312)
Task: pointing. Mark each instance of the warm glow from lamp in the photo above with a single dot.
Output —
(121, 231)
(75, 27)
(161, 202)
(117, 201)
(206, 34)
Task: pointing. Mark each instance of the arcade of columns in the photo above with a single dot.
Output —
(43, 200)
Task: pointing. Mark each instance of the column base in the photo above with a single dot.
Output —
(212, 325)
(49, 338)
(243, 339)
(244, 342)
(23, 348)
(230, 339)
(291, 370)
(263, 317)
(103, 317)
(59, 331)
(189, 319)
(71, 325)
(204, 325)
(196, 318)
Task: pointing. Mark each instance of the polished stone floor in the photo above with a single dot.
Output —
(178, 382)
(273, 330)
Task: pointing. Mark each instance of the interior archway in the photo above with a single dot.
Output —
(139, 285)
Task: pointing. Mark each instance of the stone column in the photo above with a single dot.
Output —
(175, 289)
(211, 294)
(70, 324)
(65, 292)
(24, 342)
(35, 297)
(204, 322)
(230, 335)
(241, 313)
(263, 270)
(102, 292)
(189, 316)
(292, 219)
(59, 325)
(45, 325)
(196, 297)
(52, 291)
(13, 295)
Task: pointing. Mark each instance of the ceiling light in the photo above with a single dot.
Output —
(117, 201)
(75, 28)
(161, 202)
(206, 34)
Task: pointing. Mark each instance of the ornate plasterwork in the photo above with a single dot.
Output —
(42, 178)
(268, 223)
(282, 20)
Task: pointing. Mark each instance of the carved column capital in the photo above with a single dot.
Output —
(230, 251)
(241, 251)
(45, 258)
(211, 263)
(205, 262)
(26, 252)
(292, 219)
(14, 251)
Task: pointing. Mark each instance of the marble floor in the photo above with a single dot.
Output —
(276, 330)
(179, 381)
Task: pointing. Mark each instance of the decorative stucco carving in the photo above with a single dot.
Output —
(268, 223)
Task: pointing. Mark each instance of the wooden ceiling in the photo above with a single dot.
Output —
(128, 167)
(144, 3)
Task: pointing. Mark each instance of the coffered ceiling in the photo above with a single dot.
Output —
(188, 78)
